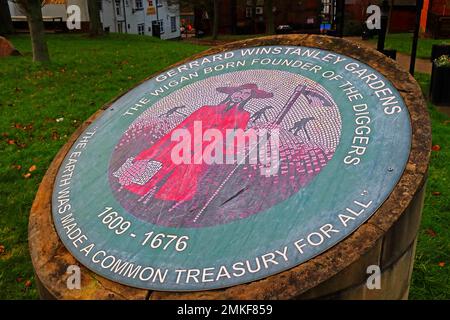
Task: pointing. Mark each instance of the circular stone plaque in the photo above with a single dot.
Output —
(231, 168)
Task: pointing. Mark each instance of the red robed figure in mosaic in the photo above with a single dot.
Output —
(153, 169)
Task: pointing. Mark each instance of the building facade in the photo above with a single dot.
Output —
(249, 16)
(160, 18)
(435, 18)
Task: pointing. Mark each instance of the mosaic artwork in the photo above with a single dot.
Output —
(231, 168)
(149, 185)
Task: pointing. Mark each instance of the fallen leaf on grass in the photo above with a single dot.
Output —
(59, 119)
(16, 166)
(436, 193)
(2, 249)
(32, 168)
(27, 175)
(19, 279)
(27, 284)
(436, 147)
(10, 141)
(431, 233)
(55, 135)
(441, 264)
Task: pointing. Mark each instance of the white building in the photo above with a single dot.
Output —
(149, 17)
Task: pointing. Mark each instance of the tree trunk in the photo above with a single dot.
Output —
(95, 25)
(6, 26)
(268, 10)
(37, 32)
(215, 30)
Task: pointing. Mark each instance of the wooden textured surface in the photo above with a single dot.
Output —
(387, 238)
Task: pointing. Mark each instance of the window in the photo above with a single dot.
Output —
(138, 5)
(248, 12)
(173, 24)
(118, 9)
(158, 3)
(141, 28)
(326, 5)
(161, 26)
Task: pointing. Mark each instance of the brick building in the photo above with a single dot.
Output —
(249, 17)
(436, 18)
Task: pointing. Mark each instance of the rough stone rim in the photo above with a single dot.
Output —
(292, 282)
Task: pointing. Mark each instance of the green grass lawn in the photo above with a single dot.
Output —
(84, 75)
(431, 275)
(235, 37)
(402, 42)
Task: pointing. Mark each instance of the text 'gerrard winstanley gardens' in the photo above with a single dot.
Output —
(231, 167)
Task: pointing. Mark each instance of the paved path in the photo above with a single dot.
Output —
(422, 65)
